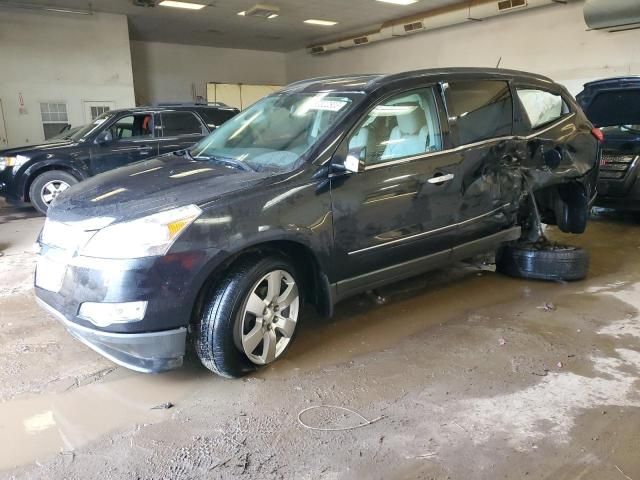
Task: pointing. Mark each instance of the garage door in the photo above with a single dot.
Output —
(238, 95)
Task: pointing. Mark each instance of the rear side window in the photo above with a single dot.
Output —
(181, 123)
(542, 107)
(215, 118)
(480, 109)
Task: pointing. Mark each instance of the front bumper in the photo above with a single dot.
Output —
(143, 352)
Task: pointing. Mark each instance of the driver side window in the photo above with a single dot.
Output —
(402, 126)
(132, 127)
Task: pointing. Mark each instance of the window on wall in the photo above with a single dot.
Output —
(542, 107)
(96, 111)
(54, 118)
(480, 109)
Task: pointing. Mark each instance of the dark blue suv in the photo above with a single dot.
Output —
(39, 173)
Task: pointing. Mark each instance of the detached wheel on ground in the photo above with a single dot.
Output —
(250, 317)
(47, 186)
(544, 261)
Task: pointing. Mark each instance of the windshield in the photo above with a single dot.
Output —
(86, 130)
(277, 131)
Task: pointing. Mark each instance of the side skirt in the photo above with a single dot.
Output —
(411, 268)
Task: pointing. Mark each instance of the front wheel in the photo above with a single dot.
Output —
(47, 186)
(250, 318)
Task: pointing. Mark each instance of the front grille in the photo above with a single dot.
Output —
(615, 166)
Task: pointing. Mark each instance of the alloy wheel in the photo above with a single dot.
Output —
(52, 189)
(269, 317)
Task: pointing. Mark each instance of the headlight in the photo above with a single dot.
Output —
(16, 161)
(144, 237)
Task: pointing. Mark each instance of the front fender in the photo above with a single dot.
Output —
(45, 162)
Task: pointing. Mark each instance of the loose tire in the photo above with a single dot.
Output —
(47, 186)
(250, 318)
(546, 262)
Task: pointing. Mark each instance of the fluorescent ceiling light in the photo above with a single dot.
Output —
(242, 13)
(177, 4)
(272, 16)
(324, 23)
(399, 2)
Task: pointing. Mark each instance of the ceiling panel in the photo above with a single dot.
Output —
(219, 25)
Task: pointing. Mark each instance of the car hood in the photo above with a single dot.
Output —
(30, 150)
(612, 102)
(150, 186)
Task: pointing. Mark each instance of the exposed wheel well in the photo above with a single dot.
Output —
(549, 197)
(40, 171)
(314, 281)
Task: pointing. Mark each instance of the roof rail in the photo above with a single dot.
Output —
(192, 104)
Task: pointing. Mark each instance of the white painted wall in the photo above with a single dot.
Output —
(552, 41)
(60, 58)
(166, 72)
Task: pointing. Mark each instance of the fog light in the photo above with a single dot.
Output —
(104, 314)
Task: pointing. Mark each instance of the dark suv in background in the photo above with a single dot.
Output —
(39, 173)
(613, 105)
(328, 188)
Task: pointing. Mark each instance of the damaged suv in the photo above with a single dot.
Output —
(331, 187)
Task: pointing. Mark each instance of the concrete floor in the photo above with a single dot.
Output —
(475, 375)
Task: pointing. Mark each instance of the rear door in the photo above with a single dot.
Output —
(481, 118)
(180, 129)
(402, 205)
(131, 139)
(214, 117)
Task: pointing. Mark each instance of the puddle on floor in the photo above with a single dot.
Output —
(36, 428)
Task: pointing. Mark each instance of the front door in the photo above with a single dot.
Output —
(403, 204)
(129, 138)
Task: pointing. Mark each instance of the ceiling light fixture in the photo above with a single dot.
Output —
(242, 13)
(399, 2)
(179, 4)
(47, 8)
(323, 23)
(272, 16)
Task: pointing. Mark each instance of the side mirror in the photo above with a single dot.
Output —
(104, 136)
(354, 161)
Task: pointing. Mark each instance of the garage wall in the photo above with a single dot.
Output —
(551, 40)
(166, 72)
(60, 58)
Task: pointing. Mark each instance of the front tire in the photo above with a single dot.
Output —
(46, 187)
(250, 318)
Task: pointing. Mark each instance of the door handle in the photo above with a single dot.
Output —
(437, 180)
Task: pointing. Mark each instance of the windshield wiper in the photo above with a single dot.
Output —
(228, 160)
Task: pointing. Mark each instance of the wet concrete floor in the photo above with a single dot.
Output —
(469, 375)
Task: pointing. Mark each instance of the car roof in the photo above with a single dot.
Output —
(372, 82)
(614, 81)
(176, 107)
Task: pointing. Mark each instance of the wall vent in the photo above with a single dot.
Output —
(413, 27)
(262, 11)
(509, 4)
(361, 40)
